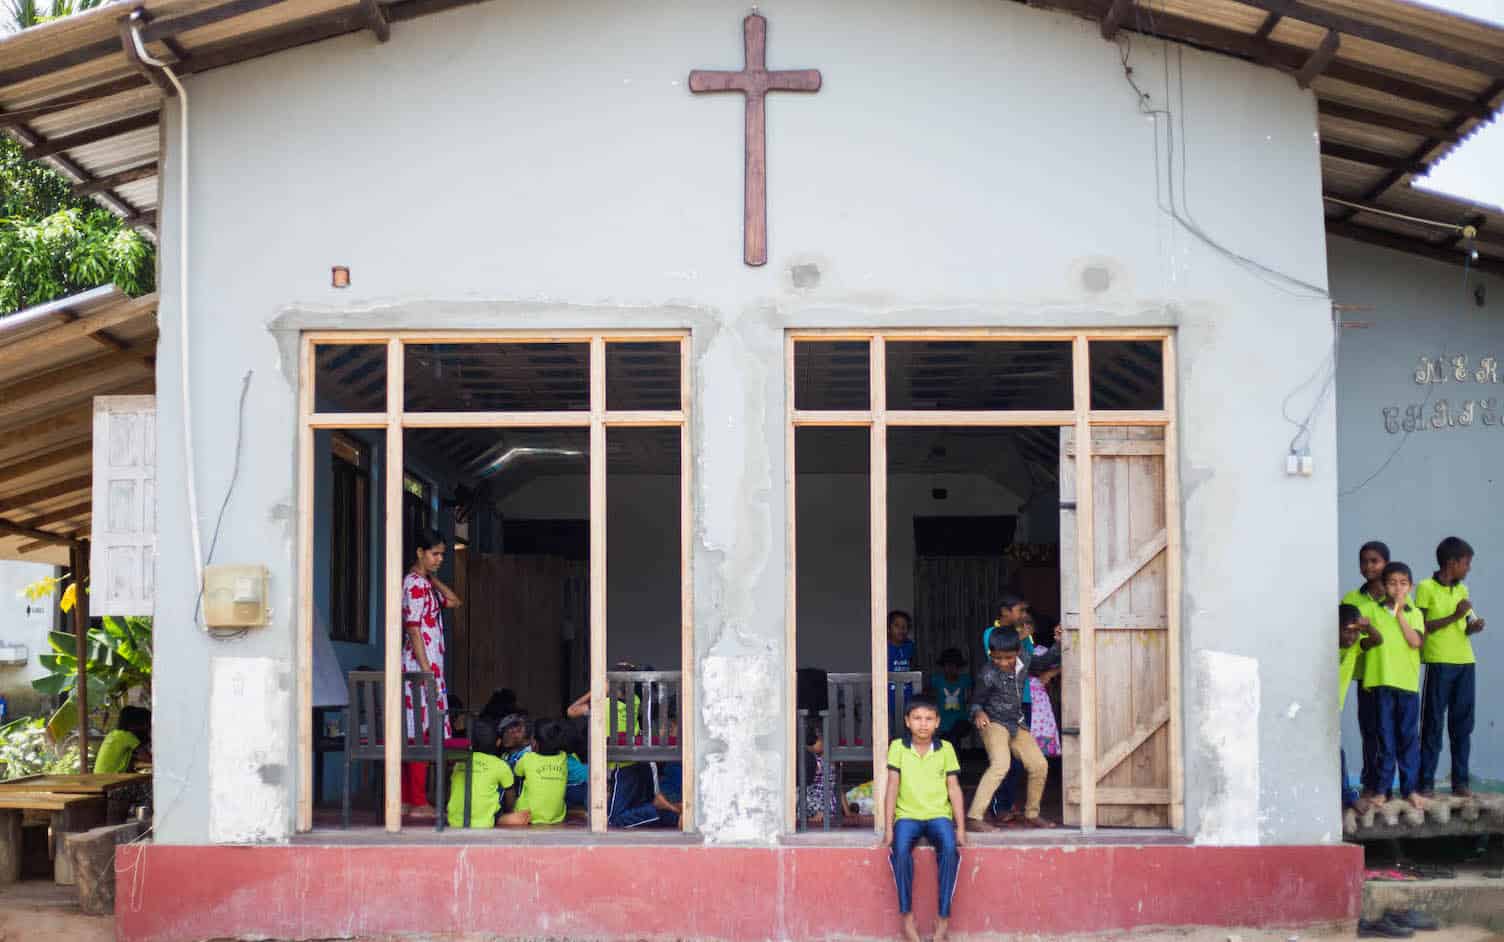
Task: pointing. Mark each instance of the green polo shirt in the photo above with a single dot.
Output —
(544, 779)
(1394, 663)
(492, 777)
(1347, 662)
(923, 781)
(1365, 604)
(1449, 644)
(115, 751)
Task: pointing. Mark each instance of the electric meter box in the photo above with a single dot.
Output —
(236, 596)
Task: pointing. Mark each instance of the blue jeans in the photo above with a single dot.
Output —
(1349, 793)
(941, 833)
(1368, 729)
(1399, 739)
(577, 796)
(631, 801)
(1449, 696)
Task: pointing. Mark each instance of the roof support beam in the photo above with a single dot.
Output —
(59, 516)
(92, 136)
(1426, 146)
(176, 25)
(26, 348)
(1289, 58)
(1114, 17)
(1399, 243)
(1320, 59)
(1362, 155)
(66, 60)
(376, 20)
(50, 492)
(41, 536)
(100, 184)
(1375, 32)
(64, 103)
(1380, 119)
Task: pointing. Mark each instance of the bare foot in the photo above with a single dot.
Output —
(1038, 822)
(942, 929)
(978, 825)
(1362, 805)
(1417, 802)
(910, 931)
(422, 811)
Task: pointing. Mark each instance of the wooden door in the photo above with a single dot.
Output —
(1133, 722)
(509, 634)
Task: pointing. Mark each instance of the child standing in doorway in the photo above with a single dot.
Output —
(952, 689)
(1450, 664)
(923, 799)
(1373, 556)
(1392, 672)
(997, 713)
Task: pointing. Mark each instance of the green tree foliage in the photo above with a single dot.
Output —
(24, 14)
(53, 244)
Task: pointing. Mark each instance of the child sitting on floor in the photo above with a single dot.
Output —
(127, 744)
(514, 738)
(544, 771)
(489, 784)
(817, 803)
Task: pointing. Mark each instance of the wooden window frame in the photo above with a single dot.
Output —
(395, 420)
(878, 418)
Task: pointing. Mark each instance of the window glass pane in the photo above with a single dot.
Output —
(1127, 374)
(349, 377)
(497, 377)
(832, 375)
(979, 375)
(643, 376)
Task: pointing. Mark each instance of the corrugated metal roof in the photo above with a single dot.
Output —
(1405, 85)
(54, 359)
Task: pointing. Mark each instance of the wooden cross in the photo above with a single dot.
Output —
(755, 81)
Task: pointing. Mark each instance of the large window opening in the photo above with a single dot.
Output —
(935, 479)
(552, 473)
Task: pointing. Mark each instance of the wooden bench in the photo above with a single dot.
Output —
(65, 813)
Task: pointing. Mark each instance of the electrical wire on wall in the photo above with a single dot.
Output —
(225, 634)
(1176, 206)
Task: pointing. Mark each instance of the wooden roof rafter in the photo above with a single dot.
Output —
(1405, 62)
(52, 365)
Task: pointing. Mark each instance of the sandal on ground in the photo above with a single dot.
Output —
(1043, 824)
(1382, 929)
(422, 811)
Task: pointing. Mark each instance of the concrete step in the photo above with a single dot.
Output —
(1470, 899)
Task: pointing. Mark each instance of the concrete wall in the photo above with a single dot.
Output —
(1412, 490)
(24, 623)
(511, 165)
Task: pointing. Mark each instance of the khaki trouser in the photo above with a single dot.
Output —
(995, 738)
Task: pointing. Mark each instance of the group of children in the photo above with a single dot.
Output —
(529, 773)
(1385, 634)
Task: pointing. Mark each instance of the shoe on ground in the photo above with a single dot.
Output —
(1382, 929)
(1412, 919)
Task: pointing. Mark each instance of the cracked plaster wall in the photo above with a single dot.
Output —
(513, 165)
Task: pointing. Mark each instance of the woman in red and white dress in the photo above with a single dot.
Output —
(424, 598)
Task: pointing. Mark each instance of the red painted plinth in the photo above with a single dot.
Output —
(614, 891)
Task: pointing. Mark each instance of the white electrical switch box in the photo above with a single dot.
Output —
(236, 596)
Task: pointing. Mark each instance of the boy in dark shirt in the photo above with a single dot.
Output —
(997, 712)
